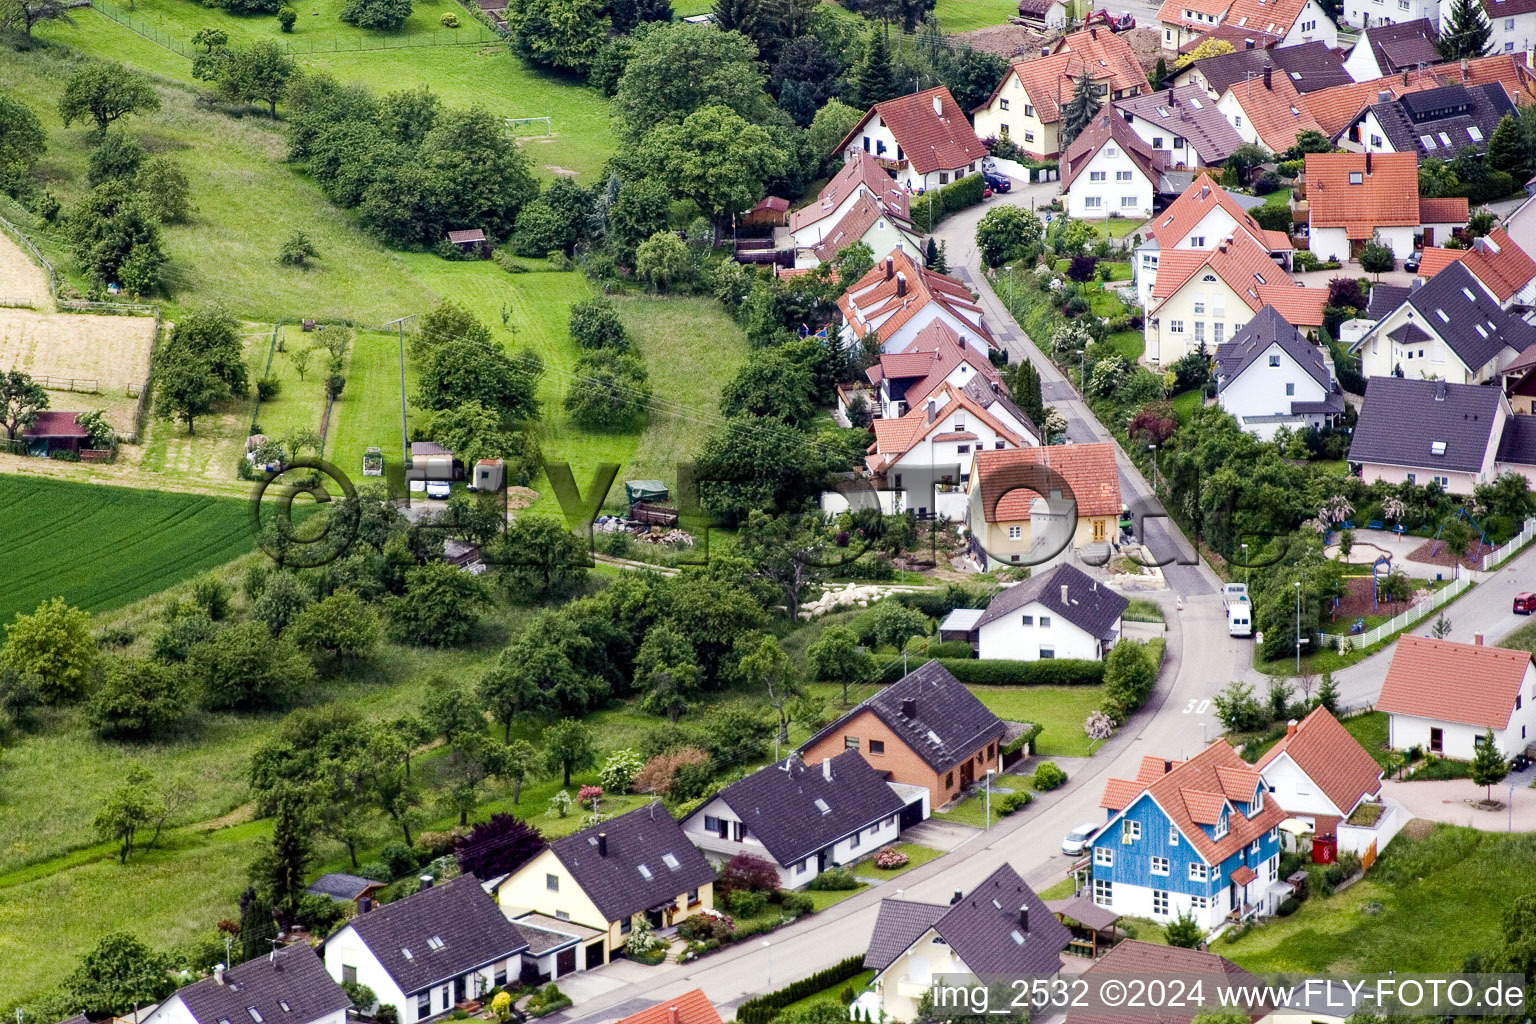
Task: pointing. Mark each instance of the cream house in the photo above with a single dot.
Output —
(923, 139)
(1201, 218)
(1039, 506)
(636, 867)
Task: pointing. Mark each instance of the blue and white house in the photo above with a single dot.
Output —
(1198, 837)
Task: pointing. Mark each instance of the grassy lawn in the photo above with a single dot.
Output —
(1115, 227)
(1425, 905)
(1142, 610)
(822, 899)
(973, 809)
(1131, 344)
(368, 412)
(1104, 302)
(1522, 639)
(301, 402)
(1060, 709)
(319, 26)
(859, 982)
(917, 856)
(1279, 197)
(1185, 404)
(965, 15)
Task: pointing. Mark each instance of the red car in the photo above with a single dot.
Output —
(1525, 603)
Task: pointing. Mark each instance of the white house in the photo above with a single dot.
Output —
(1354, 197)
(936, 439)
(1182, 122)
(1201, 218)
(1503, 268)
(1428, 431)
(1513, 23)
(862, 202)
(1269, 376)
(1293, 21)
(1110, 171)
(1399, 35)
(1268, 109)
(939, 355)
(1059, 613)
(424, 954)
(1494, 693)
(290, 986)
(1182, 21)
(805, 818)
(899, 298)
(923, 139)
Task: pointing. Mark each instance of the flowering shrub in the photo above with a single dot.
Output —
(620, 770)
(1099, 726)
(891, 858)
(589, 793)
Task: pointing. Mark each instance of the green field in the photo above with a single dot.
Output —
(965, 15)
(368, 412)
(104, 547)
(319, 26)
(1061, 709)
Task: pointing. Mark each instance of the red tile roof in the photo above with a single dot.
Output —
(1495, 260)
(1048, 81)
(689, 1008)
(1273, 16)
(861, 216)
(933, 139)
(1248, 270)
(1244, 875)
(875, 296)
(933, 356)
(1386, 195)
(861, 171)
(1333, 759)
(1443, 210)
(1194, 794)
(895, 437)
(1420, 681)
(1275, 109)
(1005, 479)
(1173, 225)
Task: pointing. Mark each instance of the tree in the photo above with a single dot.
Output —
(1251, 154)
(1005, 232)
(243, 667)
(280, 602)
(1327, 694)
(116, 159)
(1078, 112)
(1185, 931)
(380, 14)
(539, 556)
(595, 322)
(1467, 34)
(445, 323)
(830, 126)
(263, 73)
(1479, 222)
(119, 974)
(134, 804)
(677, 68)
(186, 387)
(770, 386)
(1489, 767)
(21, 399)
(836, 657)
(390, 785)
(104, 92)
(451, 712)
(282, 863)
(1237, 709)
(340, 626)
(210, 39)
(563, 34)
(662, 259)
(165, 190)
(501, 844)
(667, 672)
(568, 747)
(1437, 180)
(516, 685)
(614, 391)
(473, 432)
(440, 605)
(297, 251)
(467, 371)
(472, 759)
(716, 158)
(1209, 48)
(22, 142)
(116, 238)
(640, 210)
(138, 698)
(1506, 151)
(1129, 676)
(768, 668)
(53, 645)
(872, 79)
(1376, 258)
(23, 14)
(747, 463)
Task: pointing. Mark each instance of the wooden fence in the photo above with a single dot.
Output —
(83, 385)
(1525, 536)
(1398, 622)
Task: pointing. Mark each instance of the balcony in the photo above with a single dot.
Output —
(892, 165)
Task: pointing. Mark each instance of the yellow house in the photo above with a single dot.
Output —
(636, 867)
(1021, 503)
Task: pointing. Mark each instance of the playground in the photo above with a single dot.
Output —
(1437, 552)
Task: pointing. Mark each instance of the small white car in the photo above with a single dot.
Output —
(437, 488)
(1076, 841)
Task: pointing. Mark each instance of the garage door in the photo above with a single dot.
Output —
(565, 962)
(911, 814)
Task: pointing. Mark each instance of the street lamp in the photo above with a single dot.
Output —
(1247, 570)
(1299, 640)
(768, 947)
(1009, 269)
(990, 772)
(1153, 449)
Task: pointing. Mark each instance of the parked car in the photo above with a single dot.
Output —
(438, 488)
(1525, 603)
(1411, 264)
(998, 183)
(1076, 841)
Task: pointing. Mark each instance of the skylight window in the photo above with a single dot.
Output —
(1017, 937)
(435, 942)
(1445, 140)
(1441, 314)
(1162, 111)
(1437, 447)
(1356, 178)
(1295, 112)
(255, 1014)
(1295, 76)
(1427, 141)
(404, 951)
(1196, 103)
(1479, 329)
(821, 805)
(996, 905)
(645, 872)
(1468, 293)
(1475, 132)
(670, 861)
(284, 1004)
(933, 738)
(1259, 278)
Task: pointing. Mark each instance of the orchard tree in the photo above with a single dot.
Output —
(568, 747)
(766, 667)
(21, 15)
(186, 387)
(139, 698)
(445, 323)
(526, 680)
(595, 322)
(377, 14)
(22, 141)
(213, 333)
(662, 259)
(538, 556)
(770, 386)
(116, 238)
(836, 657)
(243, 667)
(21, 399)
(263, 73)
(716, 158)
(134, 804)
(440, 606)
(613, 391)
(468, 371)
(165, 189)
(103, 92)
(117, 976)
(210, 39)
(339, 627)
(53, 645)
(667, 672)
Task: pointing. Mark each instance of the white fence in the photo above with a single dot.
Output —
(1403, 620)
(1518, 541)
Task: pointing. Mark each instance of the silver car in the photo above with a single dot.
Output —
(1076, 841)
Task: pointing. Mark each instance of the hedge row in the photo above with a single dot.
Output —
(763, 1009)
(1005, 672)
(936, 204)
(938, 603)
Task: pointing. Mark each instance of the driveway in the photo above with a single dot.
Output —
(937, 834)
(1451, 802)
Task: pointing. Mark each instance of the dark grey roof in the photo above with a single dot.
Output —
(1186, 111)
(1464, 116)
(649, 861)
(449, 929)
(1089, 607)
(1268, 328)
(900, 923)
(543, 940)
(948, 723)
(1408, 334)
(1518, 445)
(1384, 299)
(1084, 911)
(290, 986)
(981, 391)
(796, 809)
(1402, 45)
(1309, 66)
(1334, 404)
(78, 1018)
(985, 931)
(1402, 421)
(341, 886)
(1457, 308)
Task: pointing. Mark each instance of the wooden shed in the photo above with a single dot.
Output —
(471, 240)
(770, 211)
(56, 431)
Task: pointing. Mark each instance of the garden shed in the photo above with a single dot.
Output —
(56, 431)
(470, 241)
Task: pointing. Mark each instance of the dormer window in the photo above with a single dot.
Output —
(1356, 178)
(1258, 800)
(1221, 825)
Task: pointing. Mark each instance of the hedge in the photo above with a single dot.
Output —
(938, 603)
(939, 203)
(763, 1009)
(1005, 672)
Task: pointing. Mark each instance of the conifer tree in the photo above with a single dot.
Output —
(1505, 152)
(1467, 34)
(872, 80)
(1078, 113)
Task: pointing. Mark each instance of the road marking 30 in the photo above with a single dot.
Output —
(1197, 707)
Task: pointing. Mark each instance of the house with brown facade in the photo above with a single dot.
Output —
(925, 729)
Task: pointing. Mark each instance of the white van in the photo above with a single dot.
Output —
(1240, 617)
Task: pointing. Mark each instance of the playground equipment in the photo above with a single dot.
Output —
(1376, 576)
(1482, 534)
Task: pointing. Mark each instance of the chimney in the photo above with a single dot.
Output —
(1290, 728)
(938, 106)
(909, 708)
(901, 284)
(1063, 593)
(1477, 639)
(364, 905)
(1405, 76)
(1247, 44)
(426, 883)
(1383, 95)
(1415, 284)
(826, 768)
(218, 974)
(1530, 57)
(1441, 390)
(1268, 71)
(955, 898)
(890, 267)
(1045, 51)
(1167, 767)
(602, 844)
(1466, 66)
(1093, 33)
(1024, 917)
(1367, 162)
(672, 1015)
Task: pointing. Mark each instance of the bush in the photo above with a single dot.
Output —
(891, 858)
(286, 16)
(595, 324)
(763, 1009)
(746, 902)
(398, 859)
(1049, 776)
(267, 388)
(796, 904)
(1005, 672)
(1288, 906)
(385, 14)
(297, 251)
(836, 879)
(706, 927)
(931, 207)
(749, 873)
(1015, 801)
(449, 20)
(1303, 261)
